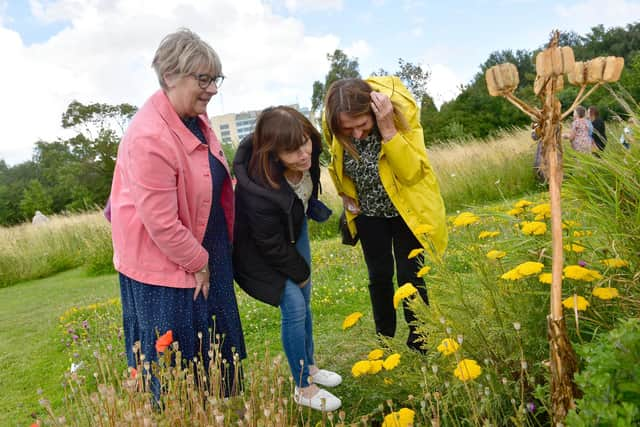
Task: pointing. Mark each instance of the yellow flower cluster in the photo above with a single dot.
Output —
(486, 234)
(403, 292)
(515, 211)
(542, 211)
(494, 254)
(448, 346)
(523, 203)
(570, 224)
(424, 270)
(467, 369)
(545, 278)
(375, 354)
(414, 253)
(577, 272)
(465, 218)
(582, 233)
(523, 270)
(577, 301)
(351, 320)
(372, 367)
(535, 228)
(615, 262)
(574, 248)
(402, 418)
(605, 293)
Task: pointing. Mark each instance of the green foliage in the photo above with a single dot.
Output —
(35, 198)
(341, 67)
(610, 380)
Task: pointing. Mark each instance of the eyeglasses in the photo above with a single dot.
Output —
(205, 80)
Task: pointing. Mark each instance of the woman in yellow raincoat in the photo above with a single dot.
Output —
(392, 200)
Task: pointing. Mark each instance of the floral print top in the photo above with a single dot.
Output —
(364, 172)
(582, 141)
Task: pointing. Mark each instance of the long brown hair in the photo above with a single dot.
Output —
(279, 129)
(352, 96)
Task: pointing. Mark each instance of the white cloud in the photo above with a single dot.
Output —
(589, 13)
(443, 84)
(359, 49)
(104, 55)
(312, 5)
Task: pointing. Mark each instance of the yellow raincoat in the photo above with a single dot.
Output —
(404, 168)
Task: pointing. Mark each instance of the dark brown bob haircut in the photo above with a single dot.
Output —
(279, 129)
(353, 96)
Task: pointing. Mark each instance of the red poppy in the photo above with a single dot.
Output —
(134, 372)
(164, 341)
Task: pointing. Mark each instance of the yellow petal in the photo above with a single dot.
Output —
(605, 293)
(582, 303)
(375, 354)
(391, 362)
(414, 253)
(403, 292)
(467, 369)
(351, 320)
(424, 270)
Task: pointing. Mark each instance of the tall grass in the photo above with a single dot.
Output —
(29, 251)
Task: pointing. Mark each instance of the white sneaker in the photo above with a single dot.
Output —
(321, 401)
(326, 378)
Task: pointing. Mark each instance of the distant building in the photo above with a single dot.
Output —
(231, 128)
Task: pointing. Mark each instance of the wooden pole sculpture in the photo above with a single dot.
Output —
(551, 66)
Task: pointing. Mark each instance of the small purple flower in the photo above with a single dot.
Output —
(582, 263)
(76, 355)
(74, 337)
(71, 331)
(85, 324)
(531, 407)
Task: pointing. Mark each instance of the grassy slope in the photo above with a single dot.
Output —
(31, 354)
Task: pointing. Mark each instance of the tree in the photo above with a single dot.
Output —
(341, 67)
(35, 199)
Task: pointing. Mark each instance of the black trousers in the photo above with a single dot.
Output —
(384, 240)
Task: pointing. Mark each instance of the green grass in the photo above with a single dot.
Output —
(32, 355)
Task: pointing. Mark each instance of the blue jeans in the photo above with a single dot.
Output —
(297, 329)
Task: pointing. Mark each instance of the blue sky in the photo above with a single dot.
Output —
(272, 51)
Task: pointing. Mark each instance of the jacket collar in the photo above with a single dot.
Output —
(161, 103)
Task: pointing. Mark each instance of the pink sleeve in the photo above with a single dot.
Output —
(153, 176)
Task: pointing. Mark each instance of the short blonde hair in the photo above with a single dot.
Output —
(182, 53)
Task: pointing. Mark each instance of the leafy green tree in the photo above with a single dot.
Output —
(35, 198)
(341, 67)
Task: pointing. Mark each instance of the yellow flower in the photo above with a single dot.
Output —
(360, 368)
(388, 381)
(582, 233)
(570, 224)
(467, 369)
(465, 218)
(351, 320)
(582, 303)
(403, 292)
(375, 354)
(543, 210)
(375, 366)
(402, 418)
(605, 293)
(391, 362)
(424, 270)
(448, 346)
(530, 267)
(533, 228)
(414, 253)
(515, 211)
(485, 234)
(615, 262)
(523, 203)
(545, 278)
(574, 248)
(511, 275)
(494, 254)
(577, 272)
(424, 229)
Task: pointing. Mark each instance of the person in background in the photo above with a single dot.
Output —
(380, 167)
(627, 138)
(39, 218)
(278, 174)
(580, 132)
(172, 213)
(599, 132)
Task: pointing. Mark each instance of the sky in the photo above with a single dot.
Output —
(57, 51)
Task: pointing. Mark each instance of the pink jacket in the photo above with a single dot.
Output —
(161, 197)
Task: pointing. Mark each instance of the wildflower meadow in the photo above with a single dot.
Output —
(484, 332)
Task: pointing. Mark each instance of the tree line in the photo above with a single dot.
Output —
(75, 174)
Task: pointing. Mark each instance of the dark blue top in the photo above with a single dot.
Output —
(222, 298)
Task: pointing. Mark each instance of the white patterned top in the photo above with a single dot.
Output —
(303, 188)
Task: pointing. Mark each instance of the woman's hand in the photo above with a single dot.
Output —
(202, 283)
(383, 110)
(350, 204)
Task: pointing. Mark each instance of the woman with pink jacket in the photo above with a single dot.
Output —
(172, 213)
